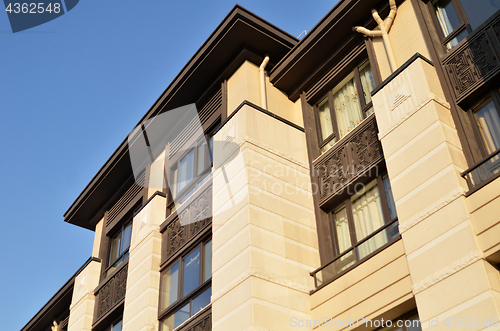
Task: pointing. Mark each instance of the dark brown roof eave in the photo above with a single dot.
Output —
(86, 209)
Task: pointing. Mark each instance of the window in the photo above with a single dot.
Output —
(458, 18)
(486, 125)
(363, 223)
(191, 171)
(186, 286)
(344, 107)
(119, 245)
(116, 326)
(487, 121)
(403, 323)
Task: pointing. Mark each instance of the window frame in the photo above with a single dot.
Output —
(364, 107)
(196, 177)
(118, 229)
(182, 299)
(464, 23)
(350, 219)
(494, 94)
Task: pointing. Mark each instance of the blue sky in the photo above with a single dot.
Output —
(70, 92)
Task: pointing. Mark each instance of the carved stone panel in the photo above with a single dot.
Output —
(195, 215)
(348, 160)
(112, 293)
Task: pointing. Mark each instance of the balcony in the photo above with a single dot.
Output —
(110, 293)
(474, 63)
(483, 173)
(350, 159)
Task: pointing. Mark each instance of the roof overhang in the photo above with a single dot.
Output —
(241, 36)
(325, 45)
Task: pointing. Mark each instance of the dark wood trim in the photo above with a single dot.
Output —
(193, 79)
(201, 236)
(161, 194)
(372, 57)
(323, 226)
(369, 256)
(262, 110)
(60, 299)
(436, 50)
(400, 70)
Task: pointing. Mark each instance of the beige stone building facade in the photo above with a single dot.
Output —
(345, 181)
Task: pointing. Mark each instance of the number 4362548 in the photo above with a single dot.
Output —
(33, 8)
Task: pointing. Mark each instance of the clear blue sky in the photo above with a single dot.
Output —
(70, 92)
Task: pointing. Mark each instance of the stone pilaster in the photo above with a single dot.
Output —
(450, 277)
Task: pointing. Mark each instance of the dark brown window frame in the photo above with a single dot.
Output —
(355, 65)
(355, 243)
(350, 218)
(196, 177)
(464, 23)
(184, 299)
(118, 229)
(494, 94)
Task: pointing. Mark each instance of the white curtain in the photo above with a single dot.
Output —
(489, 125)
(445, 23)
(368, 217)
(367, 81)
(325, 119)
(342, 228)
(347, 108)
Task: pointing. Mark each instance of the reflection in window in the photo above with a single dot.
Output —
(170, 286)
(478, 12)
(120, 244)
(191, 266)
(185, 171)
(488, 122)
(446, 15)
(176, 319)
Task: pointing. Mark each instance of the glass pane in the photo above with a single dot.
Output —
(372, 244)
(202, 300)
(168, 323)
(201, 157)
(186, 170)
(191, 270)
(478, 11)
(367, 81)
(181, 315)
(207, 261)
(346, 106)
(114, 250)
(117, 326)
(454, 42)
(173, 184)
(325, 119)
(367, 211)
(488, 122)
(211, 148)
(170, 286)
(126, 235)
(342, 229)
(370, 111)
(329, 145)
(335, 268)
(413, 324)
(176, 319)
(446, 16)
(390, 199)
